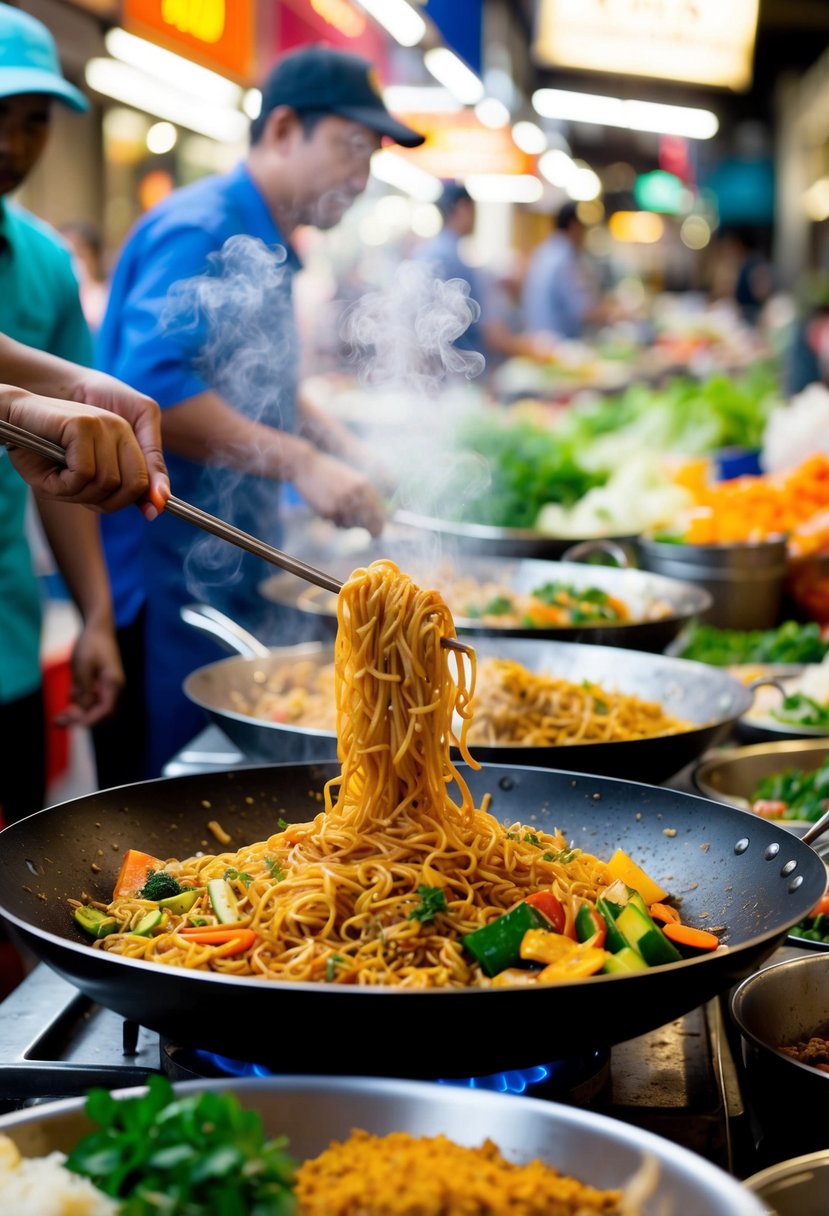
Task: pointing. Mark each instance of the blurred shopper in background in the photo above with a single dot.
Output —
(84, 240)
(234, 426)
(39, 306)
(443, 254)
(562, 297)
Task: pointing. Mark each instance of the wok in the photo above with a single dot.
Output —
(313, 1111)
(641, 591)
(730, 869)
(704, 695)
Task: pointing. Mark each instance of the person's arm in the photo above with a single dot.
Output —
(208, 430)
(54, 378)
(97, 674)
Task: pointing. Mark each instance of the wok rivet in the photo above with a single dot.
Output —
(741, 845)
(788, 868)
(795, 883)
(772, 851)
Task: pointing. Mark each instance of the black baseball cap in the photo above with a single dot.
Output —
(335, 82)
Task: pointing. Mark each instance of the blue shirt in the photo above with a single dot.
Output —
(200, 299)
(39, 306)
(558, 292)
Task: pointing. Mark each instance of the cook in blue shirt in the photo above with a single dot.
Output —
(560, 296)
(200, 318)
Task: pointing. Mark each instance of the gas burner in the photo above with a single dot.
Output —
(576, 1079)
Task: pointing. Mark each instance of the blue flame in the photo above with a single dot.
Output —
(518, 1081)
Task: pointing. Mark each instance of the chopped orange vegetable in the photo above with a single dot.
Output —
(228, 941)
(134, 871)
(693, 939)
(821, 908)
(665, 913)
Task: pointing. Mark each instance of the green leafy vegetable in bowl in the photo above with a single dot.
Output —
(793, 794)
(184, 1156)
(800, 710)
(790, 643)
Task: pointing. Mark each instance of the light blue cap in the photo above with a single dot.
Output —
(29, 60)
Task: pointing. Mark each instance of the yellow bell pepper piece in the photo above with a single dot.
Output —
(575, 965)
(541, 946)
(625, 868)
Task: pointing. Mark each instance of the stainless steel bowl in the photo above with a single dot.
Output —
(732, 775)
(798, 1187)
(490, 541)
(779, 1005)
(312, 1111)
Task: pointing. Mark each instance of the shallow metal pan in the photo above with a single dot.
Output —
(636, 588)
(706, 696)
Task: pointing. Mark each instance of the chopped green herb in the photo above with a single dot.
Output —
(282, 824)
(331, 965)
(433, 900)
(277, 873)
(601, 708)
(244, 879)
(176, 1156)
(562, 857)
(532, 839)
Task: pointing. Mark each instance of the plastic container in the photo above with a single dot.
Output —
(745, 581)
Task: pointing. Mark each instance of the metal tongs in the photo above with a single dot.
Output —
(16, 436)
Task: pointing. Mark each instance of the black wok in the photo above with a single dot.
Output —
(730, 868)
(706, 696)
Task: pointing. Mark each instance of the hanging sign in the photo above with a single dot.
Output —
(708, 42)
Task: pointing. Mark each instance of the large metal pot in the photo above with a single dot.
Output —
(706, 696)
(313, 1111)
(780, 1005)
(731, 869)
(797, 1187)
(733, 775)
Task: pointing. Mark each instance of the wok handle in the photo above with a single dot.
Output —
(586, 548)
(817, 829)
(232, 636)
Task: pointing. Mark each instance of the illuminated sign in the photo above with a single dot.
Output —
(217, 33)
(705, 41)
(458, 145)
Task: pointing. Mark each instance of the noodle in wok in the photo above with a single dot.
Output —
(382, 885)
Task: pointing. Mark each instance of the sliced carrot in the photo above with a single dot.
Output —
(135, 868)
(665, 913)
(821, 908)
(213, 935)
(694, 939)
(242, 941)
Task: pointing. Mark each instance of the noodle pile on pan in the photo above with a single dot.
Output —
(382, 885)
(514, 705)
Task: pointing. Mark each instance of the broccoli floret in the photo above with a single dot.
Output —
(160, 885)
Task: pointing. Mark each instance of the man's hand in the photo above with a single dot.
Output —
(339, 493)
(97, 677)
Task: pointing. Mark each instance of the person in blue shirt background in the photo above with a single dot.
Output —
(561, 296)
(443, 254)
(200, 318)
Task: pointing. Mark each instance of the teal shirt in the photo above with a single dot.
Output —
(39, 306)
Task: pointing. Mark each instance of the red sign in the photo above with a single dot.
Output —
(219, 34)
(334, 22)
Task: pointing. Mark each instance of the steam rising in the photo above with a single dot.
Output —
(404, 334)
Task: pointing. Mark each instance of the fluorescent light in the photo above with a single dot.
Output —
(492, 113)
(529, 137)
(252, 103)
(398, 18)
(557, 167)
(633, 115)
(168, 67)
(504, 187)
(142, 92)
(420, 99)
(453, 73)
(584, 185)
(395, 171)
